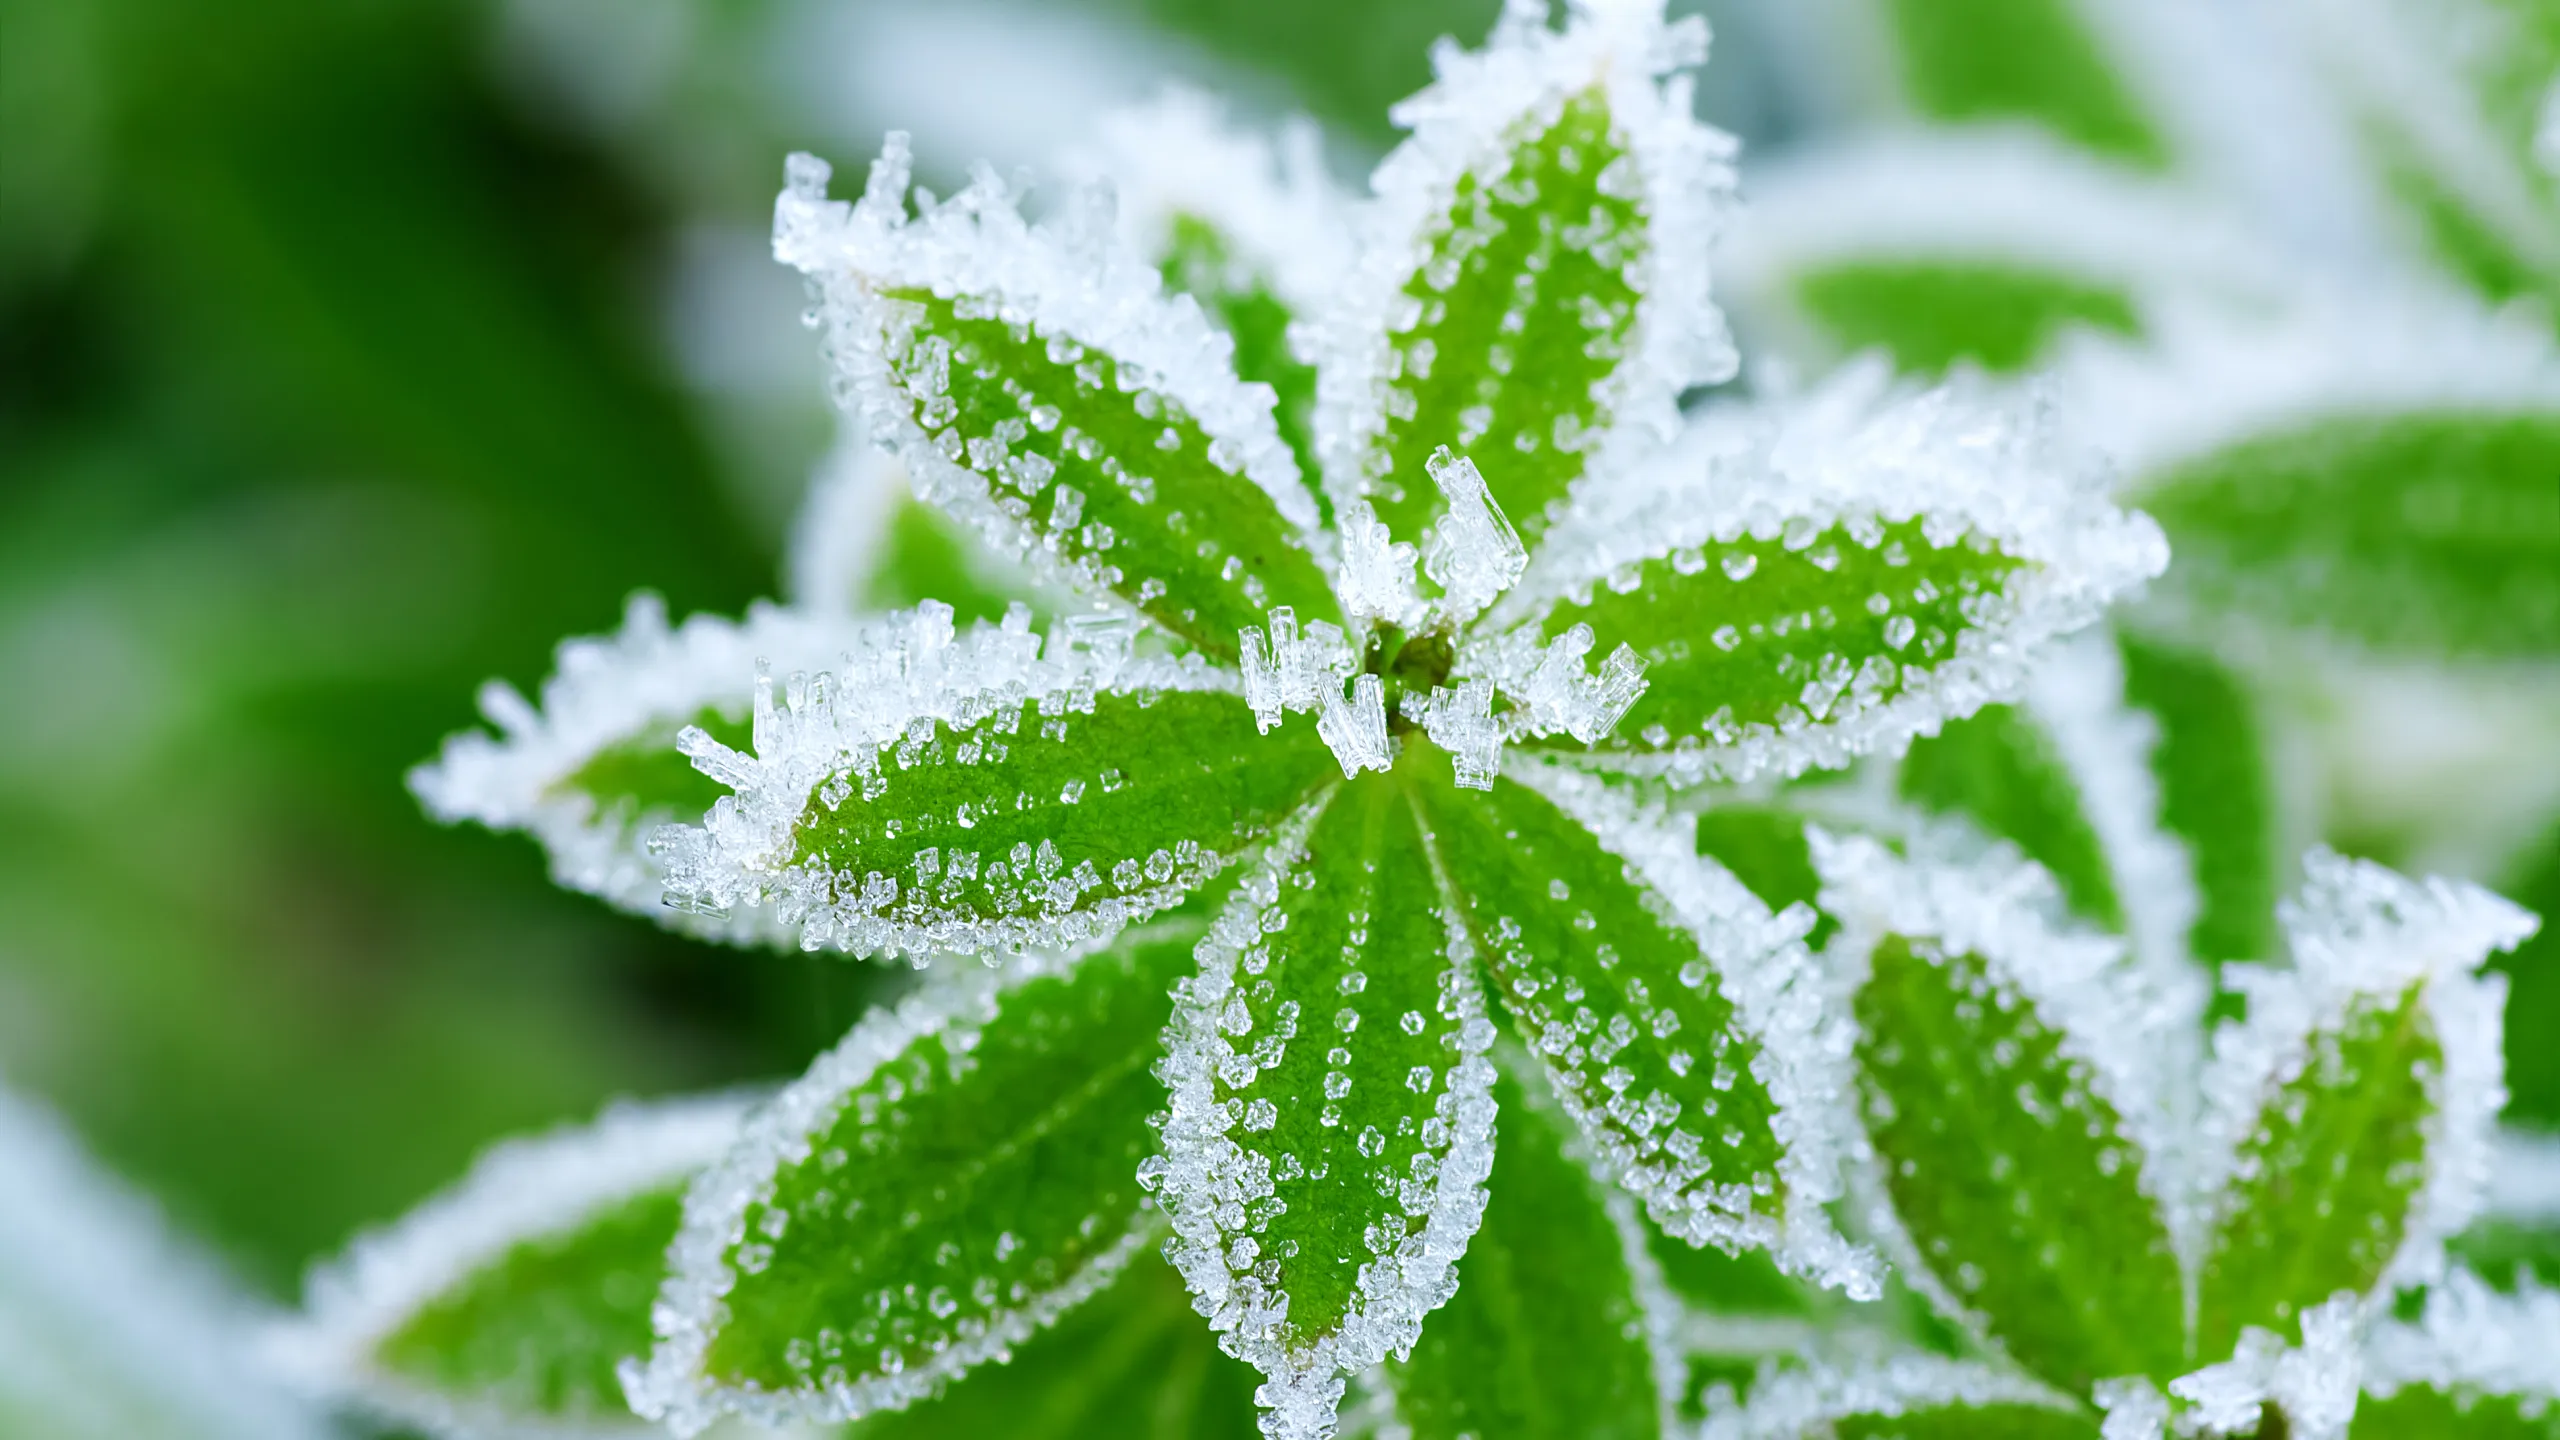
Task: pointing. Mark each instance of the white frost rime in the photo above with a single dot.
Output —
(2361, 934)
(521, 1190)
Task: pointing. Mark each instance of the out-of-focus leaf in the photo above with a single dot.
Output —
(2036, 60)
(1930, 314)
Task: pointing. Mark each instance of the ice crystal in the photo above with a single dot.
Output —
(2314, 1383)
(2471, 1338)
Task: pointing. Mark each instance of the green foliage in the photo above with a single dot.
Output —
(1203, 264)
(1745, 632)
(651, 776)
(984, 1166)
(1132, 1363)
(1984, 60)
(1764, 847)
(1972, 1422)
(538, 1331)
(2327, 1177)
(1078, 795)
(2427, 532)
(1347, 1000)
(2216, 794)
(2499, 1251)
(1136, 493)
(1931, 314)
(2014, 1176)
(1545, 1339)
(2423, 1412)
(1998, 767)
(1620, 1006)
(1522, 322)
(925, 555)
(2533, 989)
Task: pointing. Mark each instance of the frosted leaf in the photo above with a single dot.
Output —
(1808, 1400)
(594, 768)
(955, 1174)
(2348, 1121)
(1548, 1299)
(1471, 552)
(2470, 1340)
(1043, 389)
(1679, 1021)
(2315, 1383)
(1832, 241)
(2069, 776)
(115, 1326)
(2210, 768)
(1178, 157)
(2020, 1093)
(938, 791)
(2278, 459)
(501, 1305)
(1332, 1114)
(1811, 580)
(862, 542)
(1529, 285)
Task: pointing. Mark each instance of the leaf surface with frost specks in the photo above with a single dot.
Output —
(2350, 1114)
(1547, 1338)
(503, 1305)
(951, 1177)
(1037, 384)
(1325, 1158)
(1653, 1011)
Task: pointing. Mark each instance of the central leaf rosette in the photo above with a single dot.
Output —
(1377, 733)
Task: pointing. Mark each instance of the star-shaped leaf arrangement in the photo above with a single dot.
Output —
(1313, 792)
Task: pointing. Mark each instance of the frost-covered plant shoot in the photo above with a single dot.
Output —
(1377, 863)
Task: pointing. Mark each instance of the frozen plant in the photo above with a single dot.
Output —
(1228, 880)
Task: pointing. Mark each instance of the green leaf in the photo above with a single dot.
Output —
(2347, 1110)
(2327, 1175)
(1909, 1394)
(1244, 301)
(1930, 314)
(506, 1302)
(2419, 531)
(2423, 1412)
(2504, 1250)
(1764, 847)
(1037, 385)
(1132, 1363)
(2000, 768)
(1529, 307)
(953, 1176)
(1546, 1338)
(924, 556)
(1669, 1009)
(597, 767)
(1802, 583)
(1990, 60)
(1332, 1111)
(2533, 989)
(940, 795)
(1972, 1422)
(2216, 793)
(1497, 377)
(2013, 1171)
(2469, 1360)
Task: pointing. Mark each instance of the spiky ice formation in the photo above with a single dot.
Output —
(563, 770)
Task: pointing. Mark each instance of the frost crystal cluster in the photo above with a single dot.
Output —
(1386, 862)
